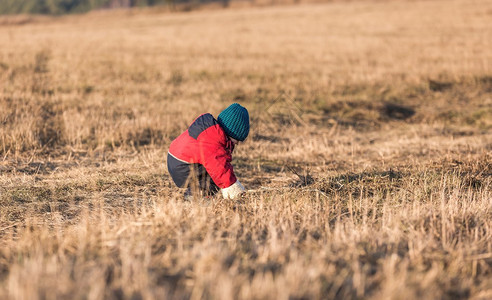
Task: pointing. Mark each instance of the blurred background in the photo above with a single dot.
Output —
(57, 7)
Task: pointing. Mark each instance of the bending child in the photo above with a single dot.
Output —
(200, 158)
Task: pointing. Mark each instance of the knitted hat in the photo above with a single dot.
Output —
(235, 121)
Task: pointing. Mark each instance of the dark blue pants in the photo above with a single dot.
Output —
(187, 175)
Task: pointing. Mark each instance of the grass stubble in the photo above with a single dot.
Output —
(385, 107)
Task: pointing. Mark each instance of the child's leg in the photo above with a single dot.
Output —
(206, 184)
(178, 170)
(191, 176)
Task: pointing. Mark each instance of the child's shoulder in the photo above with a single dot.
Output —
(206, 123)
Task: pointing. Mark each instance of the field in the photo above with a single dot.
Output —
(369, 161)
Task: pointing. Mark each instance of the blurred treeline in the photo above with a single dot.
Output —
(57, 7)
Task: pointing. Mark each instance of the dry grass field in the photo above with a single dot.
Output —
(369, 158)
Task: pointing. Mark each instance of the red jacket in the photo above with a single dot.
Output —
(206, 143)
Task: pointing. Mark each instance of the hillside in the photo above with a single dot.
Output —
(58, 7)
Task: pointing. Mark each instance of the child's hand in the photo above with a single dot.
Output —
(234, 191)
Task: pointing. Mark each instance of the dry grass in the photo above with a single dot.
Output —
(383, 106)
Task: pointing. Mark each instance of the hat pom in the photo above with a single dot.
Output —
(235, 121)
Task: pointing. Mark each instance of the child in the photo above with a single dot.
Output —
(202, 154)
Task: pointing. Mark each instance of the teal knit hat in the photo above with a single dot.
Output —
(235, 121)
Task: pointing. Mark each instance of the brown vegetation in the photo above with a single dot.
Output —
(369, 159)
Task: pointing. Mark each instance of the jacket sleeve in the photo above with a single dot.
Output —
(217, 162)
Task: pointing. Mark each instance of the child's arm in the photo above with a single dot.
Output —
(218, 166)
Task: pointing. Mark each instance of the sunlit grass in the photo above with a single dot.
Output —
(369, 155)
